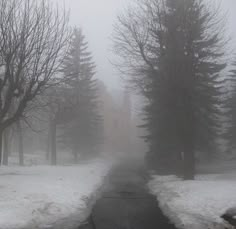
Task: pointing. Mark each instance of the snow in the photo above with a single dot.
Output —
(196, 204)
(49, 197)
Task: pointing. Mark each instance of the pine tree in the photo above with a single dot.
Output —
(193, 66)
(230, 112)
(84, 131)
(179, 66)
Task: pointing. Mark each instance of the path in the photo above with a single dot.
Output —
(127, 204)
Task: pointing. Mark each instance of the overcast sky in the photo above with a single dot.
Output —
(96, 17)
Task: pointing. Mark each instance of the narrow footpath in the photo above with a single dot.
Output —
(126, 204)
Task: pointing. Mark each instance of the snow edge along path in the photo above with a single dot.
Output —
(172, 201)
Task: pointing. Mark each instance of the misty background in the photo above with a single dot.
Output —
(97, 18)
(75, 131)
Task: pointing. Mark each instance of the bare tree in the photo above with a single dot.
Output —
(33, 42)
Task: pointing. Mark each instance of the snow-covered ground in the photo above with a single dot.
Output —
(196, 204)
(44, 196)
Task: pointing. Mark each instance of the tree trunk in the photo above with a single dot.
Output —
(189, 164)
(48, 143)
(1, 136)
(75, 152)
(5, 147)
(20, 143)
(188, 123)
(53, 131)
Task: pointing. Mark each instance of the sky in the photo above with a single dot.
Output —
(230, 8)
(96, 18)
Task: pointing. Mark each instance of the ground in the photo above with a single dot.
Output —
(98, 194)
(126, 203)
(196, 204)
(49, 197)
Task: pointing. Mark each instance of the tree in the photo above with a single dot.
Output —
(33, 42)
(60, 111)
(230, 111)
(6, 145)
(20, 143)
(172, 50)
(83, 129)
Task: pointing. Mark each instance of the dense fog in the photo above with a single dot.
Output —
(117, 114)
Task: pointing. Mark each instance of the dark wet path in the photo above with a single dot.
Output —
(126, 204)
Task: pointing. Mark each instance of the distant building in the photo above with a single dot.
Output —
(120, 123)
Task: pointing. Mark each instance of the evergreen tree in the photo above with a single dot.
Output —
(83, 132)
(230, 110)
(179, 66)
(194, 65)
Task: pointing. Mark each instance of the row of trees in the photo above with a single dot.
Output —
(174, 53)
(46, 68)
(33, 42)
(74, 104)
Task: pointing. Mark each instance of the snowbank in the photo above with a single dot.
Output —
(196, 204)
(44, 196)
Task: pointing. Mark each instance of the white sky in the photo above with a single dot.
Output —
(96, 17)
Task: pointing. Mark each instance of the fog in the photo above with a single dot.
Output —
(120, 116)
(97, 19)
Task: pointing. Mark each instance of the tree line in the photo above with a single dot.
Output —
(46, 69)
(175, 53)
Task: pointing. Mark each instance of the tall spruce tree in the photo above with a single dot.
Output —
(230, 108)
(174, 51)
(83, 132)
(194, 65)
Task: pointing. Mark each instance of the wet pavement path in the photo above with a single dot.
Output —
(126, 204)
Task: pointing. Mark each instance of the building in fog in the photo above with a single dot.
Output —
(121, 133)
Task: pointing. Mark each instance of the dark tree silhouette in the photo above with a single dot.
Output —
(173, 52)
(83, 129)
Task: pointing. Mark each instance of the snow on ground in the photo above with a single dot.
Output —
(44, 196)
(196, 204)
